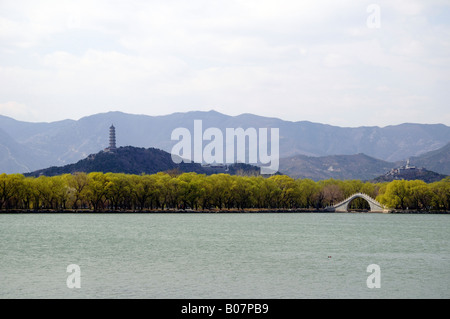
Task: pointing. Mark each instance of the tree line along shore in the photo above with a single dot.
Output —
(165, 191)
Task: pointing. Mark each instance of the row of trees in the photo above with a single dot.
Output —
(112, 191)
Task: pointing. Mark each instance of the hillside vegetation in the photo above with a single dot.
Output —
(135, 160)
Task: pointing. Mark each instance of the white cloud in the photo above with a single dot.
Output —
(299, 60)
(17, 110)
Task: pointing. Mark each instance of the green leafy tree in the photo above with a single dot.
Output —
(96, 190)
(395, 195)
(9, 187)
(118, 191)
(441, 194)
(78, 184)
(308, 190)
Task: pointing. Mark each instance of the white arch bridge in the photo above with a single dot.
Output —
(375, 206)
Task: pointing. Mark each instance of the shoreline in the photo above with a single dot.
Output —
(210, 211)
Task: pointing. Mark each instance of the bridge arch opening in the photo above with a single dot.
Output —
(358, 204)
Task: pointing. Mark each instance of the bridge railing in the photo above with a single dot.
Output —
(363, 195)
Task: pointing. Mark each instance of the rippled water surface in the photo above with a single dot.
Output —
(303, 255)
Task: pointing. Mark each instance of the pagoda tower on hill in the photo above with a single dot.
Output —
(112, 139)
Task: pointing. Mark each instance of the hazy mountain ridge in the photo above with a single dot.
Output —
(359, 166)
(431, 166)
(437, 160)
(38, 145)
(10, 151)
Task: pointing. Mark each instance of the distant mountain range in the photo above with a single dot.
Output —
(305, 147)
(134, 160)
(438, 160)
(361, 166)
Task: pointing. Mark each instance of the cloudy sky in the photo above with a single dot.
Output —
(346, 63)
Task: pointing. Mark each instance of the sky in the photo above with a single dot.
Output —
(346, 63)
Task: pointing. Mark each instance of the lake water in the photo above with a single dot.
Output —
(285, 255)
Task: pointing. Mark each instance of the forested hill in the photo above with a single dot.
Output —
(410, 175)
(135, 160)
